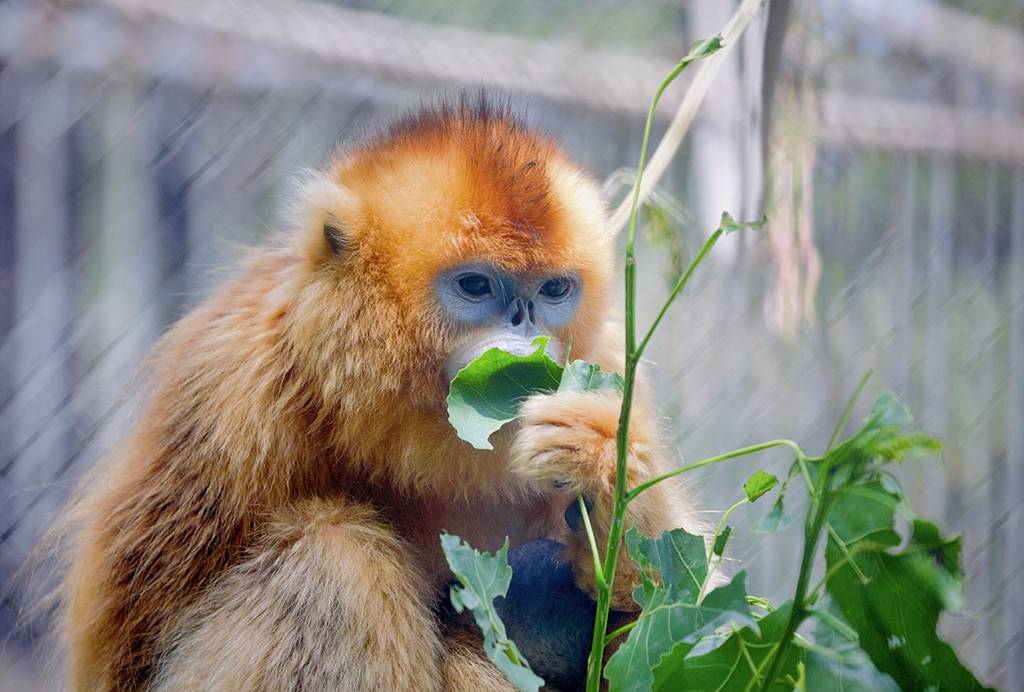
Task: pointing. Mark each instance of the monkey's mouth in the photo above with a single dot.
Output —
(513, 343)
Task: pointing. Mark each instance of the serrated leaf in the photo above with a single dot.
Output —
(581, 376)
(489, 392)
(484, 577)
(776, 520)
(893, 600)
(759, 483)
(885, 437)
(721, 541)
(672, 620)
(677, 556)
(739, 663)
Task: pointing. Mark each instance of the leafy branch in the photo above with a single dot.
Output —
(876, 609)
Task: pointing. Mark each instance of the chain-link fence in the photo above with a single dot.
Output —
(142, 142)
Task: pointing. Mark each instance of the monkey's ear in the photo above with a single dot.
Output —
(339, 242)
(327, 213)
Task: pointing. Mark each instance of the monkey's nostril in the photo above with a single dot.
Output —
(518, 312)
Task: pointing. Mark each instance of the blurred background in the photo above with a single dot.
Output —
(143, 141)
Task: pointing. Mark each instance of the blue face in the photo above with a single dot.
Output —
(503, 310)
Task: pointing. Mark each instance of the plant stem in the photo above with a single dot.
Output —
(632, 494)
(836, 623)
(617, 522)
(619, 632)
(841, 425)
(618, 517)
(679, 286)
(615, 532)
(721, 523)
(813, 525)
(598, 568)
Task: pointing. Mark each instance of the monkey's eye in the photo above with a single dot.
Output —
(475, 285)
(556, 289)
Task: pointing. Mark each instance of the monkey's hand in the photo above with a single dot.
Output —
(567, 442)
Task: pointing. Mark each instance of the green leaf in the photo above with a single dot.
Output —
(885, 437)
(865, 512)
(893, 600)
(702, 48)
(489, 392)
(672, 620)
(836, 662)
(484, 577)
(739, 663)
(581, 376)
(776, 520)
(731, 225)
(758, 484)
(722, 540)
(678, 557)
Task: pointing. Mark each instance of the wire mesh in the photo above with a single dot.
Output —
(141, 143)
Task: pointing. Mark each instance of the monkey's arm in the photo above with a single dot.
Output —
(567, 440)
(329, 600)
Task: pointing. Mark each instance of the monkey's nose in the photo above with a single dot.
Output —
(520, 313)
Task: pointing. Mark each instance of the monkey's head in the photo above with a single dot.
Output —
(454, 231)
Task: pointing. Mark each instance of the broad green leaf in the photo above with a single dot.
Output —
(893, 600)
(740, 663)
(759, 483)
(864, 512)
(836, 662)
(680, 558)
(672, 620)
(581, 376)
(489, 392)
(776, 520)
(721, 541)
(484, 577)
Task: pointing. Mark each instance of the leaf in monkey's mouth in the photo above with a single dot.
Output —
(489, 391)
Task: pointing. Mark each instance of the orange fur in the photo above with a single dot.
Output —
(272, 518)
